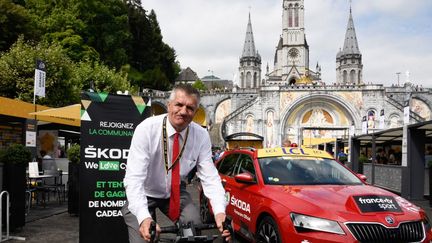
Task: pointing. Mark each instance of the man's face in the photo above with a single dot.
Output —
(181, 110)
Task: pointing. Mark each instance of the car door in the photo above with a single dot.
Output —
(226, 169)
(243, 195)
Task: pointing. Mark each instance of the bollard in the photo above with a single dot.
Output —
(7, 236)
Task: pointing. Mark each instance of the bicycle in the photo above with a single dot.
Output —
(188, 232)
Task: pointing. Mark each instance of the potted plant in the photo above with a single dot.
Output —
(73, 154)
(15, 159)
(362, 159)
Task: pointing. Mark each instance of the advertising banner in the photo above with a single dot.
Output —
(364, 125)
(39, 79)
(108, 122)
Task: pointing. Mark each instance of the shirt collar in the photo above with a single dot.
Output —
(171, 130)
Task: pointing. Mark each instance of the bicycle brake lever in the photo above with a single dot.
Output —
(228, 226)
(152, 231)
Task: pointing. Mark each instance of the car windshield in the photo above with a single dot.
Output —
(305, 171)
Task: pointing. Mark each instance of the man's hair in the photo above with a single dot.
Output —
(187, 88)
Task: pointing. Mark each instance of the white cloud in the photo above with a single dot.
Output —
(394, 35)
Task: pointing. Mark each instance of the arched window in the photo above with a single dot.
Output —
(242, 81)
(371, 119)
(292, 81)
(255, 84)
(248, 80)
(296, 15)
(358, 77)
(290, 15)
(352, 76)
(344, 76)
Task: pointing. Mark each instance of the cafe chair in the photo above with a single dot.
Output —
(55, 184)
(50, 181)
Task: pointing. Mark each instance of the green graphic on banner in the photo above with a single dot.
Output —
(109, 165)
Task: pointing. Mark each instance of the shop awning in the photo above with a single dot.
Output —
(70, 115)
(317, 141)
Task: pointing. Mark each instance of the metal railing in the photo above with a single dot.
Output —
(7, 216)
(7, 236)
(400, 107)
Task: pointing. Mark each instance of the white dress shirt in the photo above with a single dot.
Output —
(146, 174)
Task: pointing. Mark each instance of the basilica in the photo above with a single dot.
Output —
(292, 102)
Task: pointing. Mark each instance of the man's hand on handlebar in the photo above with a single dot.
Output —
(145, 229)
(220, 219)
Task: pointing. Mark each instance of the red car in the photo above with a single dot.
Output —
(304, 195)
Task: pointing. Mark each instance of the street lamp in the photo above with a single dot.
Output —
(398, 76)
(211, 79)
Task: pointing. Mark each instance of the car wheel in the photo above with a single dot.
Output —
(268, 231)
(206, 217)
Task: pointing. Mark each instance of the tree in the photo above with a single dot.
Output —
(14, 21)
(199, 85)
(17, 68)
(103, 78)
(106, 29)
(113, 36)
(150, 54)
(89, 29)
(155, 79)
(64, 78)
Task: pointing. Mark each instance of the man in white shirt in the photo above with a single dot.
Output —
(150, 167)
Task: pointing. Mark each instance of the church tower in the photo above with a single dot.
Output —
(349, 67)
(250, 62)
(292, 51)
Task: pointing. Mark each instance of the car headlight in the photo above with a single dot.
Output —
(304, 222)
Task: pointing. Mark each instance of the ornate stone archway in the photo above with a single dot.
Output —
(317, 116)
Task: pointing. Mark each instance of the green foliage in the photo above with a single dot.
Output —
(199, 85)
(64, 78)
(60, 23)
(82, 41)
(17, 73)
(15, 154)
(106, 29)
(73, 153)
(104, 79)
(363, 159)
(14, 21)
(150, 54)
(155, 78)
(343, 159)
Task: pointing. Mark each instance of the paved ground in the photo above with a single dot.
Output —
(54, 224)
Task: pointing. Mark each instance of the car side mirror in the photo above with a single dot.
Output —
(362, 177)
(246, 178)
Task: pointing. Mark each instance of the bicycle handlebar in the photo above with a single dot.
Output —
(187, 232)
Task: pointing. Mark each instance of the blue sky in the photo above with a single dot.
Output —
(394, 35)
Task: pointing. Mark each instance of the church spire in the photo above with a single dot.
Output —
(350, 44)
(249, 44)
(349, 67)
(250, 62)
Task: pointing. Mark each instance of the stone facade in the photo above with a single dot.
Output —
(292, 102)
